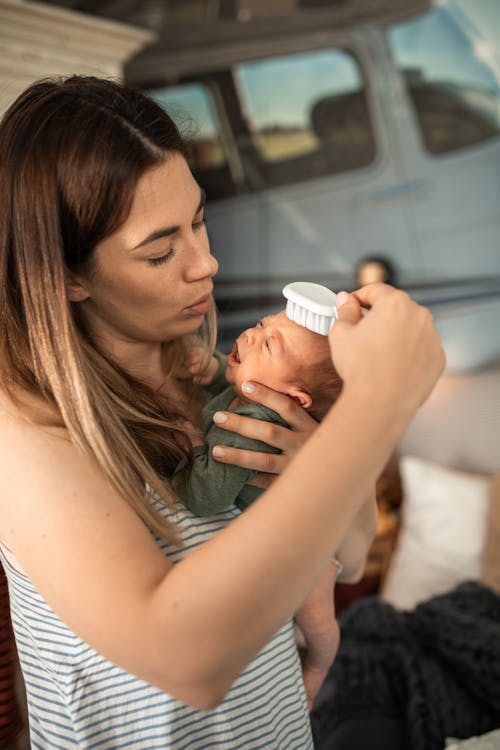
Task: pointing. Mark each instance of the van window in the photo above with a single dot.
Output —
(192, 108)
(451, 78)
(307, 114)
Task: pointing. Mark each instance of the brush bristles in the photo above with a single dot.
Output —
(313, 321)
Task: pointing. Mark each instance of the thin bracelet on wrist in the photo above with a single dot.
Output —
(338, 565)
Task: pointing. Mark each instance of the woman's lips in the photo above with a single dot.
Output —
(202, 306)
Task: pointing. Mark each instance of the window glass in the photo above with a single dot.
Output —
(307, 114)
(191, 107)
(452, 77)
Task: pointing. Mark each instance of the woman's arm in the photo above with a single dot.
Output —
(191, 628)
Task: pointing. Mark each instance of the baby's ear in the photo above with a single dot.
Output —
(302, 397)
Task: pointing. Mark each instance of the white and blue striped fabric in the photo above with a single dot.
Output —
(79, 699)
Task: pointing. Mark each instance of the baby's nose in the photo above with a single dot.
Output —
(250, 335)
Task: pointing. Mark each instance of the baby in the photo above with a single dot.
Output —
(282, 355)
(289, 358)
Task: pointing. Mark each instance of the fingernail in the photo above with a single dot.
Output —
(218, 451)
(219, 417)
(342, 298)
(248, 387)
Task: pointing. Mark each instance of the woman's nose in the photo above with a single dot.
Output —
(203, 265)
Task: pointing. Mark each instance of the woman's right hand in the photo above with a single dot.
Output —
(395, 346)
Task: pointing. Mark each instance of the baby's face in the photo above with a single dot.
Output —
(272, 353)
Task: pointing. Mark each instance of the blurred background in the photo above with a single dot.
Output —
(334, 138)
(339, 142)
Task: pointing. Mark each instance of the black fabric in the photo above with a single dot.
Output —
(435, 669)
(368, 733)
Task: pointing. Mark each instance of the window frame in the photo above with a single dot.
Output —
(424, 136)
(252, 146)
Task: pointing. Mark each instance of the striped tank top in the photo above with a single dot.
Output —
(79, 699)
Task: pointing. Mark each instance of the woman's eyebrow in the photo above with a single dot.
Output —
(168, 231)
(203, 200)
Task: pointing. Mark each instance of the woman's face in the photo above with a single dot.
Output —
(152, 279)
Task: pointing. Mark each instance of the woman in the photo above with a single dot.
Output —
(137, 624)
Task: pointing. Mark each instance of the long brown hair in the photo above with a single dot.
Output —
(71, 153)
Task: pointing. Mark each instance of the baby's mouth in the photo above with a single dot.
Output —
(234, 357)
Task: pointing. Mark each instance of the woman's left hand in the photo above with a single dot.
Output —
(287, 440)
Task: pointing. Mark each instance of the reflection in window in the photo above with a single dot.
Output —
(191, 108)
(307, 113)
(452, 79)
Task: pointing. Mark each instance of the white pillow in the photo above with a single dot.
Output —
(440, 542)
(489, 741)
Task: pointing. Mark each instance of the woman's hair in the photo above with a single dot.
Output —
(71, 153)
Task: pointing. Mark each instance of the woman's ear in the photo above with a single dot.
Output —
(77, 290)
(302, 397)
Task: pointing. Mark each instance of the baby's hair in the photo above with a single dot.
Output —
(321, 379)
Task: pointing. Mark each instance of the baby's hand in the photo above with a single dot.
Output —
(199, 365)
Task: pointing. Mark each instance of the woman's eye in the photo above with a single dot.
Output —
(198, 224)
(161, 259)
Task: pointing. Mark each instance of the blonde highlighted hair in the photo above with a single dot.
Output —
(71, 153)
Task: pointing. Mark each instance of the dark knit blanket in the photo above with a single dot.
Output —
(437, 667)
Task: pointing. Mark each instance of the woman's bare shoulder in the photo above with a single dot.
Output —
(29, 432)
(42, 474)
(29, 413)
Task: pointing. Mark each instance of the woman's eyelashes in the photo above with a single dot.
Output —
(198, 224)
(161, 259)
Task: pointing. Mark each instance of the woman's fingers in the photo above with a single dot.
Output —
(368, 294)
(288, 440)
(395, 346)
(348, 308)
(267, 463)
(256, 429)
(285, 439)
(288, 409)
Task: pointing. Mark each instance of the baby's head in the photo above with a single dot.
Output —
(287, 357)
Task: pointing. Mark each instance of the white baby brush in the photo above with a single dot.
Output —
(311, 305)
